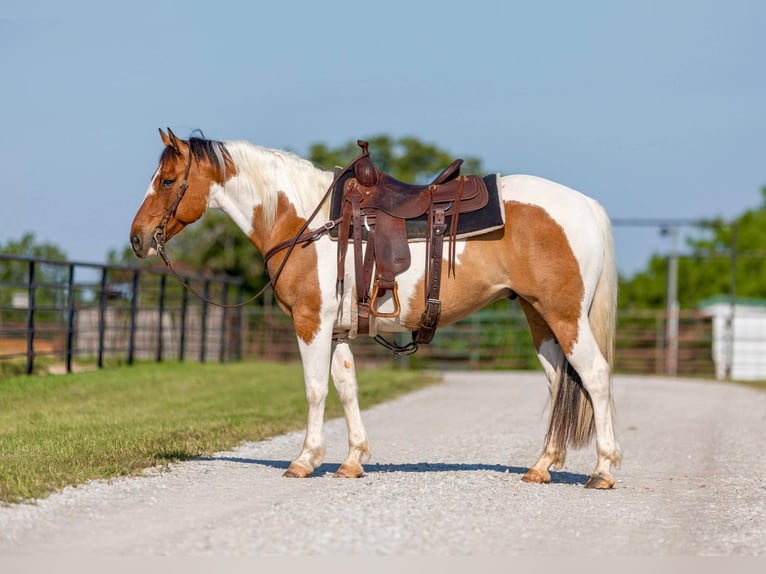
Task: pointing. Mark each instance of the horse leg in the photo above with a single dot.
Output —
(587, 359)
(344, 377)
(551, 358)
(315, 357)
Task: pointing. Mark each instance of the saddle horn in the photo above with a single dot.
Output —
(364, 170)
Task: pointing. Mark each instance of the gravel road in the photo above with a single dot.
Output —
(444, 480)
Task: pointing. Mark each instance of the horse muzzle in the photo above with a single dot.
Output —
(143, 247)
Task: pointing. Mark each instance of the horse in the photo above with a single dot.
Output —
(554, 254)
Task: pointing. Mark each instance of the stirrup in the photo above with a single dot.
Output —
(397, 307)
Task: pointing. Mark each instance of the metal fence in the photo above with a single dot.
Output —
(61, 315)
(498, 338)
(61, 311)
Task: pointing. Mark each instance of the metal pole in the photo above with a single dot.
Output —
(102, 318)
(163, 284)
(241, 331)
(671, 364)
(31, 319)
(203, 341)
(133, 317)
(223, 345)
(70, 320)
(182, 338)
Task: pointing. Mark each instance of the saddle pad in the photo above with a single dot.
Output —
(476, 222)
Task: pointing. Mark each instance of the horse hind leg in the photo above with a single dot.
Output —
(552, 359)
(344, 377)
(595, 376)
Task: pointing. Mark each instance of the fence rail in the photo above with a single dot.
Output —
(70, 310)
(82, 312)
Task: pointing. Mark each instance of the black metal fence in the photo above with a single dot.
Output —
(62, 310)
(61, 315)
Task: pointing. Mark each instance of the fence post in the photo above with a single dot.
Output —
(242, 326)
(133, 317)
(203, 318)
(182, 340)
(70, 319)
(163, 283)
(31, 319)
(224, 301)
(102, 318)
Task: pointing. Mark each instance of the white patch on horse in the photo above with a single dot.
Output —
(150, 191)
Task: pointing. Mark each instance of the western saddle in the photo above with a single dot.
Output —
(376, 207)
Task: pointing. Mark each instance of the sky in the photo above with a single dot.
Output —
(654, 108)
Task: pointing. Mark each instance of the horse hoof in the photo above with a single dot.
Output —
(297, 471)
(600, 482)
(535, 477)
(348, 471)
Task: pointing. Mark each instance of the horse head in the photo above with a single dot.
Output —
(179, 190)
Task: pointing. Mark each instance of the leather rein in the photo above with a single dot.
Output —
(301, 236)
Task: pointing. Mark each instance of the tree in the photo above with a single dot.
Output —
(28, 246)
(707, 272)
(14, 274)
(406, 158)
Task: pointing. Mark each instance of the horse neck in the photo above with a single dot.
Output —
(272, 193)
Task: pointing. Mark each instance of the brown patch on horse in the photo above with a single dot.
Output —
(537, 326)
(544, 270)
(210, 163)
(297, 288)
(532, 258)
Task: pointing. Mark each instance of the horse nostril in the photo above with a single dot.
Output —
(135, 242)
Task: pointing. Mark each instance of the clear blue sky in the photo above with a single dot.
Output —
(655, 108)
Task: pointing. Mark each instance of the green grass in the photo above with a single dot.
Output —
(64, 430)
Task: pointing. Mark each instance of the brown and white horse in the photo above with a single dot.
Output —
(555, 253)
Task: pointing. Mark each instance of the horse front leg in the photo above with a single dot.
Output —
(315, 356)
(344, 377)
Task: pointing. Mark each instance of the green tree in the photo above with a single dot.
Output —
(406, 158)
(29, 246)
(14, 275)
(707, 272)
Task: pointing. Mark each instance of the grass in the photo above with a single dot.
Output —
(64, 430)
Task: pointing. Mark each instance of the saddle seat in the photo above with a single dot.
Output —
(382, 205)
(402, 200)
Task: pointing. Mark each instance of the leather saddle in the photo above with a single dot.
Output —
(377, 208)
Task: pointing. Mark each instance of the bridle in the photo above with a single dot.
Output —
(302, 236)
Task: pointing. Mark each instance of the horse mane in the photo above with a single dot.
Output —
(202, 149)
(262, 173)
(266, 172)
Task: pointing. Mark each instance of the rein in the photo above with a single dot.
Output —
(300, 237)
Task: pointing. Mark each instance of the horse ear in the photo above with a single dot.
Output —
(175, 141)
(165, 139)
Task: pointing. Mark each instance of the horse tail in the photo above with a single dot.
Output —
(603, 309)
(572, 421)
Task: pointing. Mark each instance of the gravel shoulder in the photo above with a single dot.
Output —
(444, 480)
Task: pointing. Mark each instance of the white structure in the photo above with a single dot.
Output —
(739, 337)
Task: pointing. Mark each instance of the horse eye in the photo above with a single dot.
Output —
(167, 183)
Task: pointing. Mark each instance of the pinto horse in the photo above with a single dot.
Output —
(555, 254)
